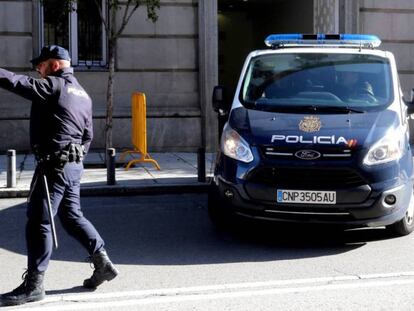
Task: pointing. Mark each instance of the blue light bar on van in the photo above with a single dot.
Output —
(339, 40)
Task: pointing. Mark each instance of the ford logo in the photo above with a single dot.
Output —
(307, 154)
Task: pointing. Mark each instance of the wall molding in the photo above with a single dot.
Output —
(149, 36)
(379, 10)
(165, 4)
(15, 33)
(159, 70)
(397, 41)
(18, 69)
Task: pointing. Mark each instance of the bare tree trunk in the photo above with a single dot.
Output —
(113, 34)
(110, 95)
(112, 39)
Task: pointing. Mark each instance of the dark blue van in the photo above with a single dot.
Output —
(317, 132)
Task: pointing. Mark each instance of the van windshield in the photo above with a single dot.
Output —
(318, 81)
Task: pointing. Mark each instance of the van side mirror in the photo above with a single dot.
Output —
(221, 102)
(410, 104)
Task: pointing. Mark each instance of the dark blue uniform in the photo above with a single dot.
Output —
(61, 114)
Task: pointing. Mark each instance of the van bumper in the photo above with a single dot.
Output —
(368, 209)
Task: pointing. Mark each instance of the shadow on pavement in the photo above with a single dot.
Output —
(175, 230)
(73, 290)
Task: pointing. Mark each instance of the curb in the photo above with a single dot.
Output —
(14, 193)
(153, 189)
(119, 190)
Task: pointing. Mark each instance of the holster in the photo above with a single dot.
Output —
(56, 161)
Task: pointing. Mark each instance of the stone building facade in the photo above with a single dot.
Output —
(194, 45)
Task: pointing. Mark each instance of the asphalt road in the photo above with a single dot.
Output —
(171, 258)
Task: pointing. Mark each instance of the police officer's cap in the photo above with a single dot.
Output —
(51, 51)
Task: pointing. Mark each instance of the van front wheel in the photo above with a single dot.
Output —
(219, 214)
(406, 225)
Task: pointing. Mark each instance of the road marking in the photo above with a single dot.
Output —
(210, 292)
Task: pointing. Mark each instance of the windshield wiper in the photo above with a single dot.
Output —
(330, 108)
(271, 106)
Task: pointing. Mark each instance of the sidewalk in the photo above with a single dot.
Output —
(178, 174)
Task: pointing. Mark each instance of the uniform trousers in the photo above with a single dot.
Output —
(64, 191)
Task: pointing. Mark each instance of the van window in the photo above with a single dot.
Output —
(295, 80)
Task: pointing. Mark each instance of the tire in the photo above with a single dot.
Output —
(220, 215)
(406, 225)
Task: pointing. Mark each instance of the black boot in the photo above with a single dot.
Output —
(104, 270)
(30, 290)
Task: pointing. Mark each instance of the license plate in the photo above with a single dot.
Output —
(306, 196)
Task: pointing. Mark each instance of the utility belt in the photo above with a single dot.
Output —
(57, 160)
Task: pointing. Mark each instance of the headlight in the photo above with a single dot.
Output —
(387, 149)
(234, 146)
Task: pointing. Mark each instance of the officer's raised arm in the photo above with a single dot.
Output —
(26, 86)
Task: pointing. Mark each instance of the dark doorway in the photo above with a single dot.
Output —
(243, 26)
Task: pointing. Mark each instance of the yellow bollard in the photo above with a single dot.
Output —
(139, 132)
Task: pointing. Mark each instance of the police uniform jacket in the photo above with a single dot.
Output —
(61, 110)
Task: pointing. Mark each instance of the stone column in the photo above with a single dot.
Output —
(208, 70)
(349, 16)
(326, 16)
(37, 33)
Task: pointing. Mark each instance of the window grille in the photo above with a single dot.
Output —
(79, 30)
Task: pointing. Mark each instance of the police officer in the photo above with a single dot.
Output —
(60, 135)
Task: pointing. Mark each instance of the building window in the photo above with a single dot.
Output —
(79, 30)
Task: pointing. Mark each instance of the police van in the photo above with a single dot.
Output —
(317, 132)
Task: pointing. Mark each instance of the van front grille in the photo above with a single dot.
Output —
(307, 178)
